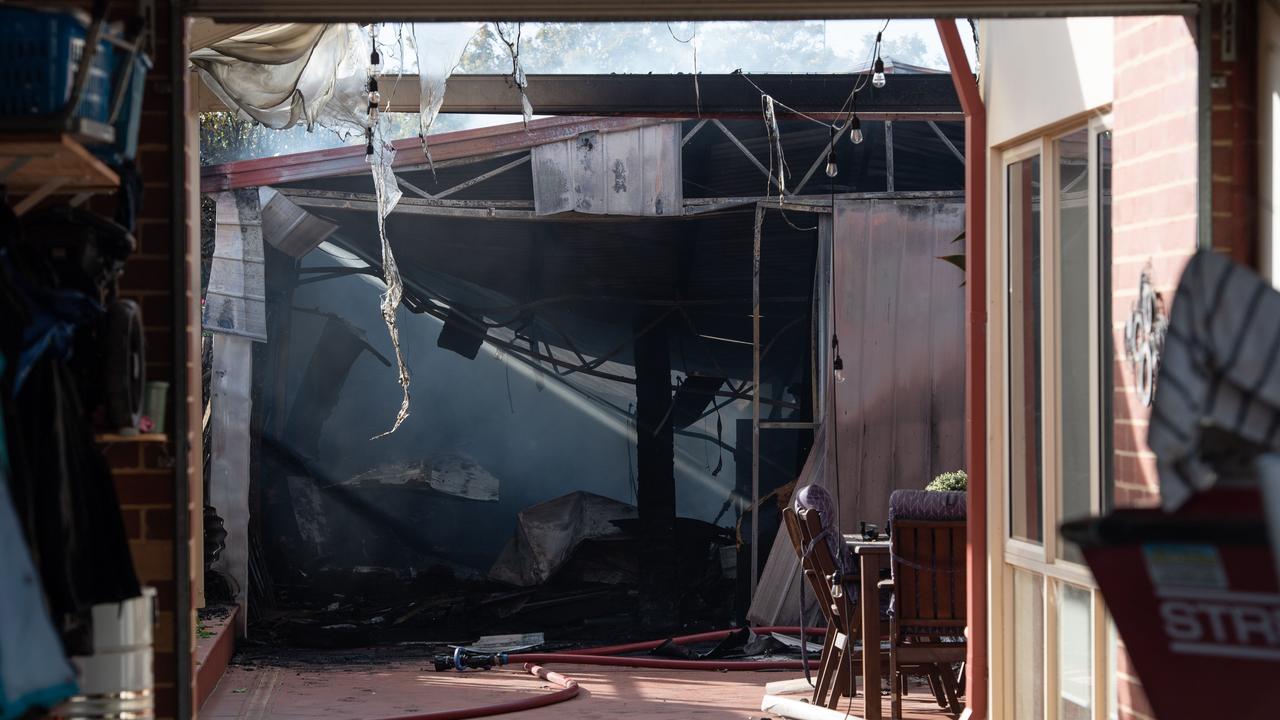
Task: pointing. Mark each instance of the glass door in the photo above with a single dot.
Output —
(1056, 348)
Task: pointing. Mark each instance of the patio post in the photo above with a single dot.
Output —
(975, 149)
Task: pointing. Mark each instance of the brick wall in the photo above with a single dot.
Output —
(1154, 161)
(145, 474)
(1155, 209)
(1235, 135)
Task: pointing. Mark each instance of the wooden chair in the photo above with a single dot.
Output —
(817, 565)
(928, 615)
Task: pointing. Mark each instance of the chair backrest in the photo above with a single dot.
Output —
(817, 564)
(816, 498)
(927, 545)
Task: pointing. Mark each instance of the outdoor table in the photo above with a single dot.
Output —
(872, 556)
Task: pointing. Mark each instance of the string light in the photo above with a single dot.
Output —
(374, 97)
(837, 362)
(855, 133)
(877, 68)
(832, 170)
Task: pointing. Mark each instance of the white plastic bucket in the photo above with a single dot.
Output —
(116, 680)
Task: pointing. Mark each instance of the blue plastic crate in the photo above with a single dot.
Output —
(39, 56)
(128, 120)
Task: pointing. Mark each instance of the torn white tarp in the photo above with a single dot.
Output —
(512, 40)
(288, 74)
(388, 194)
(439, 47)
(549, 532)
(453, 474)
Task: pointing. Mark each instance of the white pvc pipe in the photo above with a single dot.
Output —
(801, 710)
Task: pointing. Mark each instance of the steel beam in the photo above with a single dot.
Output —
(615, 10)
(946, 141)
(445, 147)
(732, 95)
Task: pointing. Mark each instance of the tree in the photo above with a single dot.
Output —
(910, 49)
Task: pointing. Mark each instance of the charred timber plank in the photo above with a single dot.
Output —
(655, 470)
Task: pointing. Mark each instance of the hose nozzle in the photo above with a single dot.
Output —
(463, 660)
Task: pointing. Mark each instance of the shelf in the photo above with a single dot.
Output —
(37, 165)
(111, 438)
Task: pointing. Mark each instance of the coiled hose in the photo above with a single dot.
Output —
(603, 655)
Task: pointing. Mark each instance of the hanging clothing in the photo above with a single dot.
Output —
(1217, 394)
(59, 483)
(34, 674)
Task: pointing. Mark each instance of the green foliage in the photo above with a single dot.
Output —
(909, 49)
(224, 137)
(954, 480)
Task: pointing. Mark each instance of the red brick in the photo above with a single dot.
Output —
(132, 519)
(153, 127)
(159, 346)
(123, 456)
(157, 310)
(145, 488)
(164, 593)
(1131, 695)
(158, 456)
(166, 702)
(147, 273)
(160, 523)
(166, 668)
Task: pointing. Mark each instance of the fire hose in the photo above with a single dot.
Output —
(608, 655)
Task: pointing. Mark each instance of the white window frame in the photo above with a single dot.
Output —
(1011, 553)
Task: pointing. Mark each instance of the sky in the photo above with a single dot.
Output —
(845, 37)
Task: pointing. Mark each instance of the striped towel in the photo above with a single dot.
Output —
(1217, 396)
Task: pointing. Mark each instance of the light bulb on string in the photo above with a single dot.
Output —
(877, 76)
(832, 170)
(855, 131)
(837, 362)
(375, 58)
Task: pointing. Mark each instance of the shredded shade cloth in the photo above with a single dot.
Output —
(439, 47)
(285, 75)
(1218, 377)
(288, 74)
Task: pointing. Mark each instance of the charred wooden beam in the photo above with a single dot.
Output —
(655, 470)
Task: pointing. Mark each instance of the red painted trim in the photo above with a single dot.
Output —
(350, 159)
(213, 655)
(975, 339)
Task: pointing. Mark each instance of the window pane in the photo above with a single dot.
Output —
(1075, 653)
(1075, 492)
(1113, 698)
(1105, 320)
(1026, 472)
(1028, 645)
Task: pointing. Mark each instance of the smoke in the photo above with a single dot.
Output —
(541, 442)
